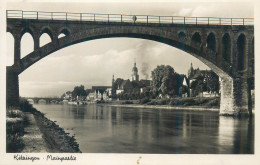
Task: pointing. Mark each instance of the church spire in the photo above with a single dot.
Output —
(190, 71)
(135, 76)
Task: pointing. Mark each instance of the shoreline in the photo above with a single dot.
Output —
(166, 107)
(52, 137)
(195, 108)
(57, 140)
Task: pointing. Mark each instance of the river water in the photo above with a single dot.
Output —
(107, 129)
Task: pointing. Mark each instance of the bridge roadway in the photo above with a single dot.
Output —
(226, 45)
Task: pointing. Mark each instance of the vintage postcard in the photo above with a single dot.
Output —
(129, 82)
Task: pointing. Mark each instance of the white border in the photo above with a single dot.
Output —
(114, 159)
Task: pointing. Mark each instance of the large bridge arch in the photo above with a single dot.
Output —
(203, 41)
(177, 41)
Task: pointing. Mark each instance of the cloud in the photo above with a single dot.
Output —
(185, 12)
(226, 11)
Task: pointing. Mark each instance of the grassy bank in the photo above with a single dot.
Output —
(15, 123)
(56, 138)
(180, 102)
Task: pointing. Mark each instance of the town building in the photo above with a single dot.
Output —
(67, 95)
(120, 85)
(99, 93)
(183, 84)
(202, 83)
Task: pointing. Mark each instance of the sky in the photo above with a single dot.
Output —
(94, 62)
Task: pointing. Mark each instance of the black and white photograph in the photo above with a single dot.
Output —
(141, 80)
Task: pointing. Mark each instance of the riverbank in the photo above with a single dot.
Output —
(194, 103)
(55, 137)
(197, 108)
(15, 123)
(32, 139)
(28, 130)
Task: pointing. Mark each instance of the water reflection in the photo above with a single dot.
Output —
(236, 136)
(105, 129)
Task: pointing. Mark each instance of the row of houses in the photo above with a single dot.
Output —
(197, 83)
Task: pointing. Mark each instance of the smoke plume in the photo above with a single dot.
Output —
(145, 70)
(144, 50)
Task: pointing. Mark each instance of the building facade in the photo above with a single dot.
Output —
(202, 83)
(121, 86)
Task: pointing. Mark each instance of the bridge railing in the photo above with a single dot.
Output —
(40, 15)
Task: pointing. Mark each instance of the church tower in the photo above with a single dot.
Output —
(113, 80)
(190, 71)
(113, 88)
(135, 76)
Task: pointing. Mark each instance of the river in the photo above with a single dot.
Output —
(107, 129)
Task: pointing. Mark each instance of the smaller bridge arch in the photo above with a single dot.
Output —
(196, 39)
(182, 35)
(27, 43)
(226, 47)
(27, 30)
(211, 42)
(241, 52)
(47, 31)
(65, 31)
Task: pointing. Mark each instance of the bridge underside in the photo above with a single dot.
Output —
(216, 46)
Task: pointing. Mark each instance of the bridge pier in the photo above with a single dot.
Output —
(235, 97)
(12, 88)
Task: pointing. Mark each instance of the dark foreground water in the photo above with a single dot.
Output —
(105, 129)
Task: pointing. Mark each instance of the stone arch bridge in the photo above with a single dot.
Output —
(226, 45)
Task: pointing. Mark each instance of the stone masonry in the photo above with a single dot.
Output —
(232, 61)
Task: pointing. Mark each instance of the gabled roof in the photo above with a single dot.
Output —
(100, 87)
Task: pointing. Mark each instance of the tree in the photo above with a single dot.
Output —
(78, 91)
(213, 82)
(164, 81)
(87, 91)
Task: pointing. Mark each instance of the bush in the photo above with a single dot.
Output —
(214, 102)
(15, 122)
(14, 126)
(25, 106)
(152, 102)
(144, 100)
(174, 102)
(100, 101)
(127, 102)
(14, 113)
(14, 143)
(201, 101)
(14, 131)
(188, 101)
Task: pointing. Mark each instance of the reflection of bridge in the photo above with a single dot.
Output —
(225, 45)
